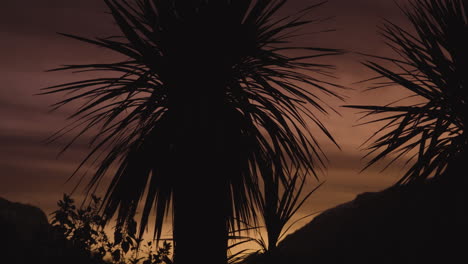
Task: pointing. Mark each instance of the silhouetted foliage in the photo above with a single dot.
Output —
(199, 114)
(432, 65)
(281, 201)
(83, 228)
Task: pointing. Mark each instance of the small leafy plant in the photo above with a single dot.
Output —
(83, 229)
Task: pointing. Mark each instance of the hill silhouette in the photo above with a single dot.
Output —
(416, 223)
(24, 229)
(27, 237)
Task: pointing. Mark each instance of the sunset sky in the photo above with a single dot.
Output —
(32, 173)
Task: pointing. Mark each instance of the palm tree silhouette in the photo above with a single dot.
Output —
(210, 98)
(433, 66)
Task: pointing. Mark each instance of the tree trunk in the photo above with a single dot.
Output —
(200, 231)
(203, 165)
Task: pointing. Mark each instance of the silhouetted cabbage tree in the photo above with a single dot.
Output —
(433, 66)
(210, 96)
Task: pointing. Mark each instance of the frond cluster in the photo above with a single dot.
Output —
(237, 54)
(433, 66)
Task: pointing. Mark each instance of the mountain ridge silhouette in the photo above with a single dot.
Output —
(414, 223)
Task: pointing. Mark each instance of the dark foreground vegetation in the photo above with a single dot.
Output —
(74, 235)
